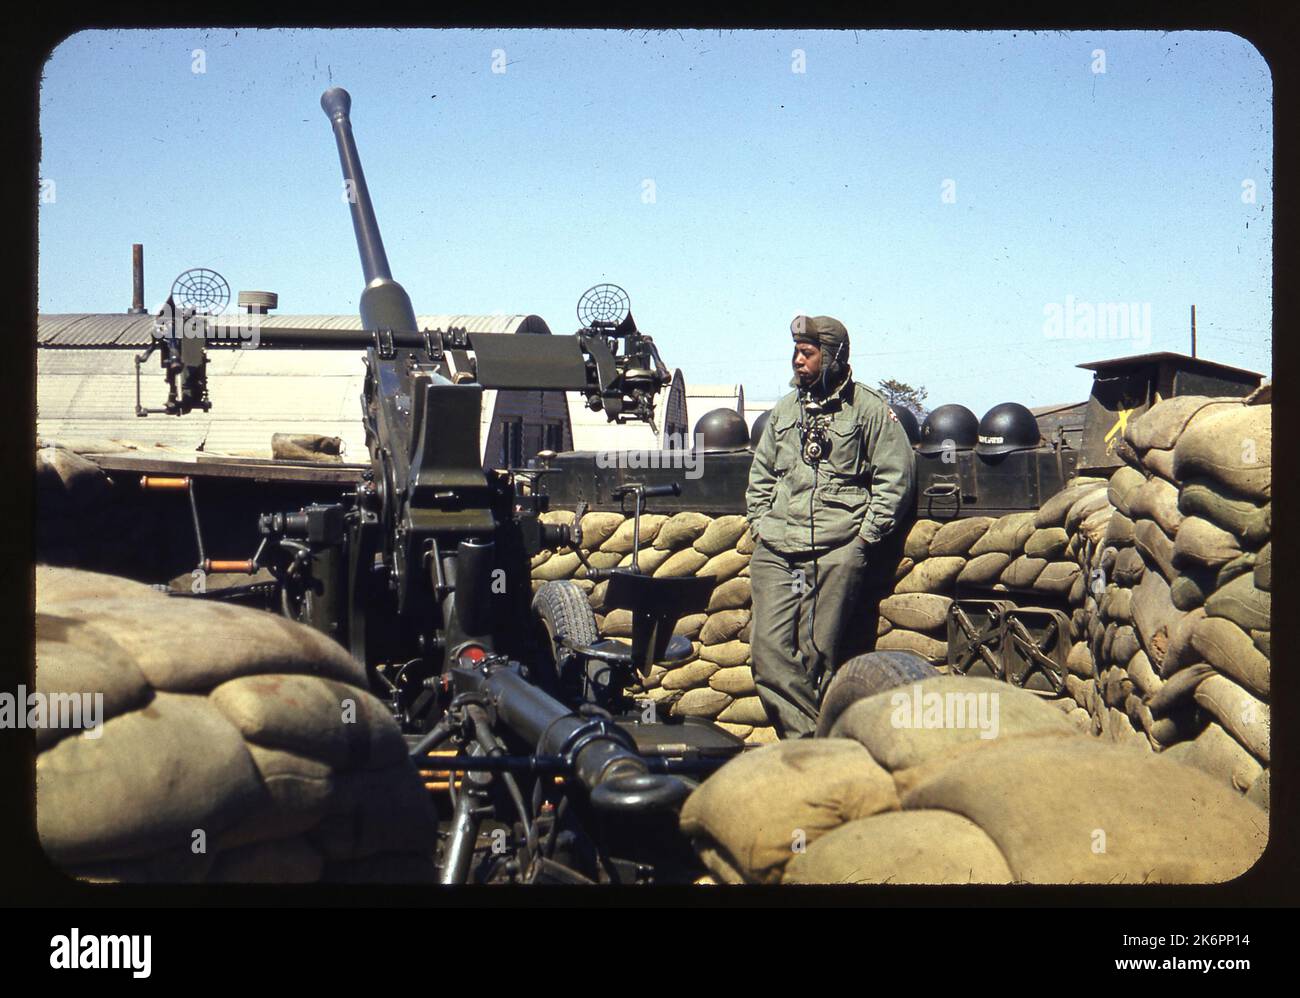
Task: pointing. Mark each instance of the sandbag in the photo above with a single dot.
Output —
(1160, 462)
(1178, 688)
(1144, 676)
(931, 575)
(1079, 661)
(1233, 446)
(723, 626)
(1119, 606)
(617, 624)
(306, 447)
(1022, 572)
(1128, 568)
(1121, 485)
(916, 611)
(1245, 717)
(1006, 534)
(598, 527)
(647, 560)
(691, 626)
(1201, 543)
(984, 569)
(744, 710)
(901, 847)
(1162, 424)
(1154, 615)
(917, 545)
(681, 530)
(1074, 810)
(75, 660)
(1057, 578)
(1085, 507)
(687, 561)
(701, 702)
(899, 639)
(1156, 547)
(725, 565)
(1052, 512)
(1216, 752)
(620, 541)
(1229, 649)
(757, 807)
(1240, 602)
(907, 726)
(1258, 792)
(1120, 530)
(1047, 542)
(86, 590)
(1264, 568)
(1124, 645)
(1247, 519)
(721, 535)
(145, 784)
(1241, 565)
(339, 724)
(67, 482)
(690, 675)
(299, 793)
(561, 565)
(735, 681)
(957, 536)
(1094, 526)
(745, 544)
(1188, 591)
(734, 594)
(1156, 499)
(597, 559)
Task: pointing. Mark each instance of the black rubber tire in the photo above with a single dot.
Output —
(563, 611)
(866, 675)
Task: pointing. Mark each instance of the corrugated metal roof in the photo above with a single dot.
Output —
(136, 331)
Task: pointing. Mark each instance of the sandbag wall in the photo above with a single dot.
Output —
(1176, 647)
(230, 746)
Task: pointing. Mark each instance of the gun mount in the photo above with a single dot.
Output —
(422, 572)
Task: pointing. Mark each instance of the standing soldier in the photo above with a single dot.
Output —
(831, 484)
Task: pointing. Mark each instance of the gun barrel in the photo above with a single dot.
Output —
(384, 303)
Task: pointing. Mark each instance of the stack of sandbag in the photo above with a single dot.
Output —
(966, 780)
(1179, 646)
(79, 521)
(1033, 552)
(233, 746)
(716, 682)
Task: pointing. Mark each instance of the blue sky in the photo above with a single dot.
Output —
(942, 193)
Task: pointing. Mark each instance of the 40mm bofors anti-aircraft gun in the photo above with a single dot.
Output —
(423, 573)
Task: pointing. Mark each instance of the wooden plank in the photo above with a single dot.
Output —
(214, 466)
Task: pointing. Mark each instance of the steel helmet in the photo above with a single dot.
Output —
(908, 420)
(722, 429)
(756, 434)
(1007, 427)
(950, 422)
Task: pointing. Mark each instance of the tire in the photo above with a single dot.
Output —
(562, 610)
(866, 675)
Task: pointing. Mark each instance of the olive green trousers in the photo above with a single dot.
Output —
(801, 606)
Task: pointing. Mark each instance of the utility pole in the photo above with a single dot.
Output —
(1193, 330)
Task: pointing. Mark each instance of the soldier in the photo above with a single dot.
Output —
(829, 498)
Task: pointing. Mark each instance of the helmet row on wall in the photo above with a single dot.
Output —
(1004, 428)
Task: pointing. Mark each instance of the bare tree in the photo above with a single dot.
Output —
(901, 393)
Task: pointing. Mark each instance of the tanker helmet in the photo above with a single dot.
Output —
(1005, 428)
(907, 419)
(950, 426)
(722, 429)
(760, 424)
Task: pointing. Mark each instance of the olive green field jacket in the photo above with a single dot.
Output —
(864, 486)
